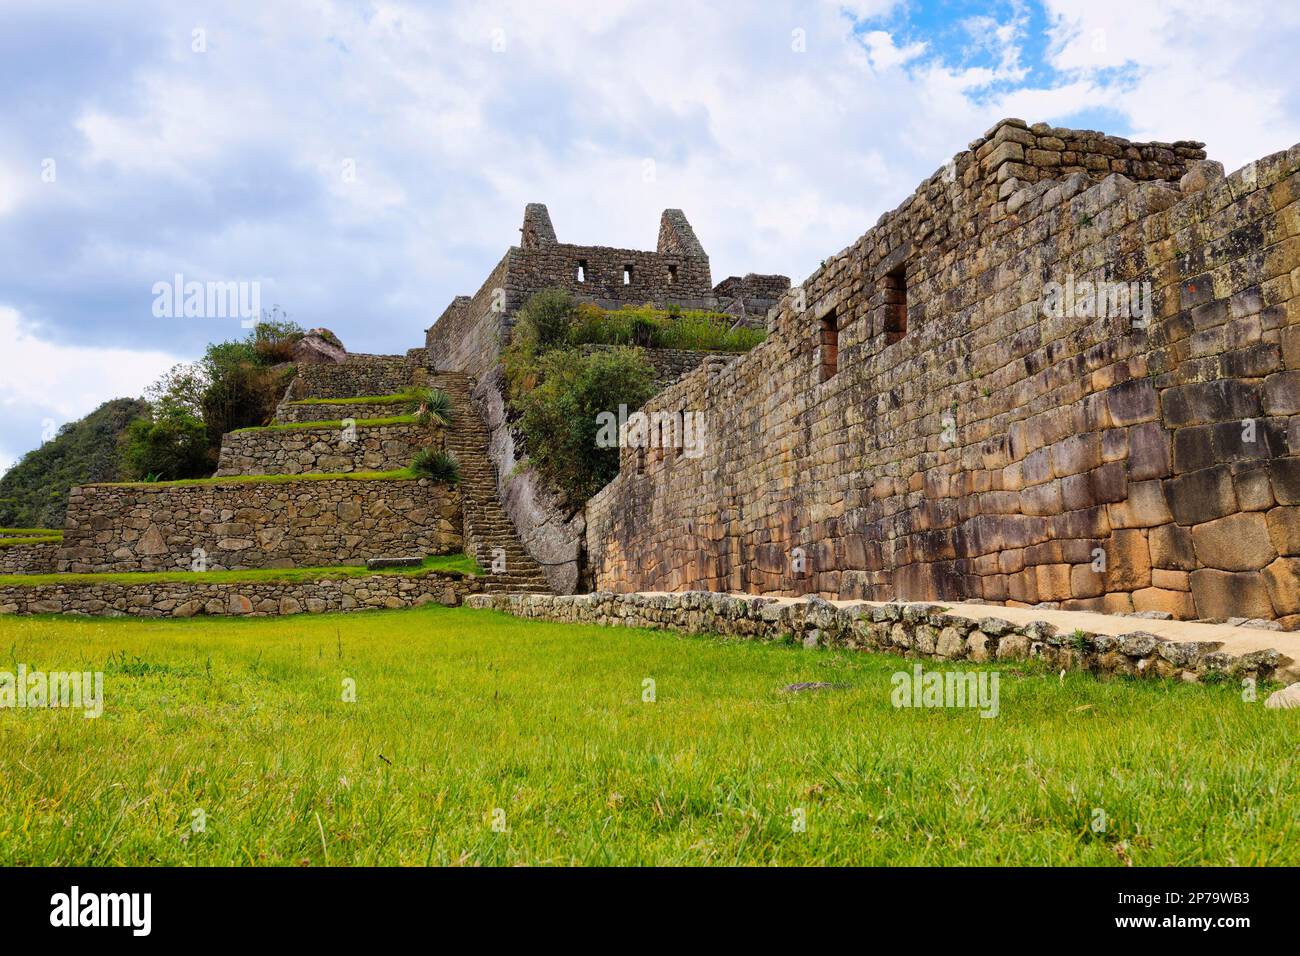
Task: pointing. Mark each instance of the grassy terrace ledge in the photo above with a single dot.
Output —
(338, 423)
(451, 564)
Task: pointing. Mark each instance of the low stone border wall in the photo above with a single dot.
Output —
(248, 599)
(918, 630)
(332, 450)
(29, 558)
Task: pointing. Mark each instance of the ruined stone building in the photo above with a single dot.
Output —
(1066, 369)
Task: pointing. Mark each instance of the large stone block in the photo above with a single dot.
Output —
(1282, 394)
(1284, 530)
(1171, 547)
(1177, 603)
(1283, 580)
(1128, 561)
(1225, 594)
(1200, 496)
(1207, 402)
(1238, 542)
(1145, 507)
(1148, 452)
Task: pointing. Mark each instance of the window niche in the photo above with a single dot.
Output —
(829, 345)
(895, 289)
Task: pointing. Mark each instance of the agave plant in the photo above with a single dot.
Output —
(437, 465)
(432, 406)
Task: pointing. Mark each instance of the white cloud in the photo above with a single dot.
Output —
(68, 380)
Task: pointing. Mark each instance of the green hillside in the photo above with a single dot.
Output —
(34, 492)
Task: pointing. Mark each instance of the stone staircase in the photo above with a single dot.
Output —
(487, 526)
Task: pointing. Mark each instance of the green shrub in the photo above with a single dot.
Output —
(167, 444)
(545, 318)
(558, 421)
(275, 336)
(649, 327)
(436, 465)
(431, 406)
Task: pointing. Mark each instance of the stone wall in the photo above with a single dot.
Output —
(360, 375)
(297, 451)
(243, 524)
(28, 558)
(190, 598)
(470, 333)
(289, 414)
(966, 443)
(914, 630)
(750, 298)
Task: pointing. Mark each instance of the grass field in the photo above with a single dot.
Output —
(460, 713)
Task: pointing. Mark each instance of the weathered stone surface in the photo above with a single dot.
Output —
(1287, 698)
(1223, 594)
(320, 345)
(239, 524)
(1283, 580)
(1239, 542)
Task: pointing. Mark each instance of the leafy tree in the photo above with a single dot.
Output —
(167, 443)
(558, 420)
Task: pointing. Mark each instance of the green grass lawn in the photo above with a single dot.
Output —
(459, 713)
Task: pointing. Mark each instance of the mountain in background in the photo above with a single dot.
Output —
(34, 492)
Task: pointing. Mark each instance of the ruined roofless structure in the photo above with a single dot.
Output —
(944, 411)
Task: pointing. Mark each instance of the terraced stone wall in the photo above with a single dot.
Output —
(236, 525)
(371, 375)
(28, 558)
(330, 450)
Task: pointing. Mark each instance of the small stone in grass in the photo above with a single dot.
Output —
(1285, 699)
(813, 685)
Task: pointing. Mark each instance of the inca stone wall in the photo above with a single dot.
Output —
(914, 630)
(360, 376)
(288, 414)
(918, 426)
(328, 450)
(251, 599)
(236, 525)
(28, 558)
(750, 298)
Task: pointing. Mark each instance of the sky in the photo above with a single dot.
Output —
(359, 164)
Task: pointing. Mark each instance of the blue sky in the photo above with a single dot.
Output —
(211, 138)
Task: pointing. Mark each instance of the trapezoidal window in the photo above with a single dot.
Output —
(895, 287)
(829, 345)
(627, 275)
(582, 270)
(672, 275)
